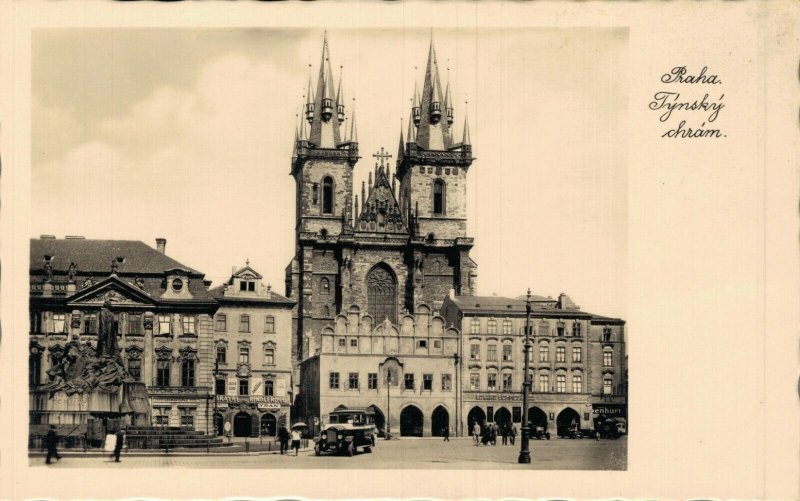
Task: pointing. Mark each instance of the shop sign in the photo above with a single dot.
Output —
(259, 399)
(499, 397)
(269, 407)
(610, 410)
(280, 388)
(233, 386)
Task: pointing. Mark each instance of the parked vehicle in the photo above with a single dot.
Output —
(539, 433)
(571, 431)
(608, 429)
(348, 430)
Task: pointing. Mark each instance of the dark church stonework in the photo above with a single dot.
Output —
(401, 241)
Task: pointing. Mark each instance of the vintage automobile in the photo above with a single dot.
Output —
(539, 433)
(608, 429)
(570, 431)
(347, 430)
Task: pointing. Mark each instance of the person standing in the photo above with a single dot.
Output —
(513, 433)
(283, 438)
(118, 445)
(296, 441)
(51, 441)
(476, 432)
(504, 433)
(446, 433)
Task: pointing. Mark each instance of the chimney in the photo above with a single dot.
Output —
(161, 245)
(75, 237)
(47, 237)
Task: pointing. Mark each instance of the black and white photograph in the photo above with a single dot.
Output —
(351, 181)
(399, 250)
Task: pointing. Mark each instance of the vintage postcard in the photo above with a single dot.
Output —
(442, 250)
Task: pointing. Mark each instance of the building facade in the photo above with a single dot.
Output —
(162, 308)
(406, 372)
(252, 357)
(577, 362)
(401, 243)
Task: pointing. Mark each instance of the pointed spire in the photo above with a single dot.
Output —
(353, 130)
(340, 100)
(448, 105)
(432, 133)
(363, 192)
(401, 147)
(325, 132)
(415, 105)
(370, 181)
(302, 135)
(357, 212)
(412, 131)
(465, 137)
(309, 99)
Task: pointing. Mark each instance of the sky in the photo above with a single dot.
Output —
(187, 134)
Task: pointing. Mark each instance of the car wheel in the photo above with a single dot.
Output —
(317, 450)
(351, 449)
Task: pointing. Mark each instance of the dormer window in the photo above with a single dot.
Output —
(177, 284)
(247, 286)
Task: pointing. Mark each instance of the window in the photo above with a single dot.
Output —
(135, 369)
(561, 353)
(544, 328)
(342, 342)
(508, 382)
(162, 373)
(372, 381)
(427, 382)
(244, 386)
(247, 285)
(219, 387)
(507, 327)
(135, 325)
(333, 380)
(59, 322)
(36, 322)
(561, 383)
(544, 353)
(188, 325)
(269, 324)
(242, 285)
(187, 373)
(354, 343)
(409, 382)
(269, 356)
(438, 196)
(187, 418)
(422, 343)
(606, 334)
(382, 294)
(164, 325)
(221, 325)
(560, 329)
(222, 354)
(576, 353)
(474, 352)
(352, 380)
(437, 344)
(269, 388)
(607, 386)
(35, 369)
(576, 329)
(162, 418)
(577, 383)
(474, 381)
(244, 354)
(327, 196)
(475, 326)
(491, 381)
(447, 382)
(544, 383)
(315, 194)
(491, 353)
(506, 353)
(607, 358)
(244, 323)
(90, 324)
(325, 286)
(491, 326)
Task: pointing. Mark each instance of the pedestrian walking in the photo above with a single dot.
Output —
(283, 439)
(51, 441)
(513, 433)
(494, 433)
(296, 441)
(446, 433)
(476, 432)
(504, 433)
(118, 444)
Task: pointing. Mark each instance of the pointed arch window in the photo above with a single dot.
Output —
(382, 294)
(439, 190)
(327, 195)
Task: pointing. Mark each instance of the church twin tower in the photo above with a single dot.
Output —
(394, 247)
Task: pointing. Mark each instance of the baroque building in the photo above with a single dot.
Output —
(400, 242)
(252, 356)
(163, 312)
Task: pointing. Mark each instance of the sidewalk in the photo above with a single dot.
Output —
(232, 450)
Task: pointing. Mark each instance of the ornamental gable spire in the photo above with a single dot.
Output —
(380, 212)
(433, 132)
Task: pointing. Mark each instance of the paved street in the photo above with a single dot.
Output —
(406, 453)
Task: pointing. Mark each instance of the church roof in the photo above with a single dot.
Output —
(380, 212)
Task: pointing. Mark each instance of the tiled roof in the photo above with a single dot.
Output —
(275, 298)
(96, 256)
(501, 305)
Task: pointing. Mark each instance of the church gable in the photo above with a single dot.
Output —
(381, 213)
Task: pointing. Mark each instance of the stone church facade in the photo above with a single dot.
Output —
(400, 242)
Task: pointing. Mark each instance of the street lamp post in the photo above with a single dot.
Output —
(388, 408)
(456, 359)
(216, 372)
(524, 452)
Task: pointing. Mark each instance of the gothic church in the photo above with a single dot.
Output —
(403, 242)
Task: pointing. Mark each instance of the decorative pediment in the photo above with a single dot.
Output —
(380, 212)
(163, 353)
(188, 353)
(248, 273)
(134, 352)
(113, 290)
